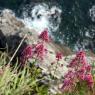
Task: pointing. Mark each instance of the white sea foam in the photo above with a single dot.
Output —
(42, 17)
(92, 13)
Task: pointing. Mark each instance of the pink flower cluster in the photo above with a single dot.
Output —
(26, 54)
(45, 36)
(80, 71)
(38, 50)
(69, 81)
(59, 56)
(80, 59)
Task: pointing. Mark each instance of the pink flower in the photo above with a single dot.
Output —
(59, 56)
(40, 50)
(44, 36)
(81, 76)
(67, 82)
(89, 79)
(80, 54)
(26, 54)
(82, 70)
(81, 57)
(67, 85)
(73, 63)
(79, 60)
(79, 71)
(88, 68)
(70, 74)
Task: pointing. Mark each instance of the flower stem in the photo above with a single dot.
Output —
(17, 48)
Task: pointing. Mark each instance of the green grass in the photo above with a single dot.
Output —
(26, 81)
(16, 81)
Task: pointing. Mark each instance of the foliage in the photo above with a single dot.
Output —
(20, 81)
(26, 80)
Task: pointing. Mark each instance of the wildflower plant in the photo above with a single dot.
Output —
(80, 72)
(38, 50)
(27, 80)
(59, 56)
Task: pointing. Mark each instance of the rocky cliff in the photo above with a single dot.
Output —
(13, 30)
